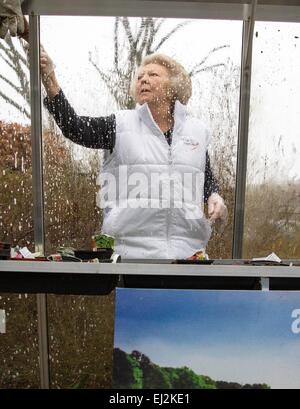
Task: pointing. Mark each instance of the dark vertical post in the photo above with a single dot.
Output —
(242, 149)
(37, 185)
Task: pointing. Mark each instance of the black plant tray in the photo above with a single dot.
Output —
(192, 261)
(101, 254)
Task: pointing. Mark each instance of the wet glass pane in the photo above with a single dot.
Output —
(19, 342)
(273, 181)
(93, 73)
(81, 341)
(19, 353)
(98, 75)
(80, 327)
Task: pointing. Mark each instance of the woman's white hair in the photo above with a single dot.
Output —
(180, 81)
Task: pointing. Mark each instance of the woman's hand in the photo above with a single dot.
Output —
(48, 74)
(47, 66)
(217, 209)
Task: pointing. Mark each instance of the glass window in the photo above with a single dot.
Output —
(95, 72)
(19, 344)
(80, 327)
(95, 61)
(81, 340)
(272, 220)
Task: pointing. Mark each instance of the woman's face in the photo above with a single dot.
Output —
(152, 85)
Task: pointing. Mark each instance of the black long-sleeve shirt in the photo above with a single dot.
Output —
(100, 133)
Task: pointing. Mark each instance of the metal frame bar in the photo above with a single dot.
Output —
(42, 312)
(129, 268)
(37, 186)
(272, 10)
(265, 284)
(36, 132)
(243, 128)
(2, 322)
(287, 10)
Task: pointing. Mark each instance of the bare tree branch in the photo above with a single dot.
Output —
(20, 66)
(142, 26)
(103, 76)
(11, 84)
(167, 36)
(141, 52)
(15, 59)
(207, 56)
(12, 51)
(21, 57)
(151, 36)
(3, 48)
(126, 24)
(116, 43)
(19, 107)
(7, 62)
(158, 22)
(139, 44)
(131, 42)
(209, 68)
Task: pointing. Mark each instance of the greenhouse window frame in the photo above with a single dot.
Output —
(267, 10)
(246, 11)
(231, 9)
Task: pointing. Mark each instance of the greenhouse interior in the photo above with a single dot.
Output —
(180, 114)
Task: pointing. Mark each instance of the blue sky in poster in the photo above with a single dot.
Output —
(233, 336)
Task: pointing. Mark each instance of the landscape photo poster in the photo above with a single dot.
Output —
(200, 339)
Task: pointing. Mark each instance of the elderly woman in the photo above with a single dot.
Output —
(158, 145)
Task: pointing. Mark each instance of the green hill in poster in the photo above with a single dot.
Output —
(136, 371)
